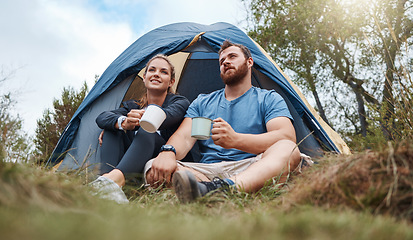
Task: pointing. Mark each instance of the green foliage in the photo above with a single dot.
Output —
(50, 126)
(399, 116)
(345, 53)
(375, 138)
(14, 144)
(314, 43)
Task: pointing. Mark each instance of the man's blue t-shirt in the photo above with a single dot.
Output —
(248, 113)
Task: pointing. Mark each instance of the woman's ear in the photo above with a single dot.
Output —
(171, 83)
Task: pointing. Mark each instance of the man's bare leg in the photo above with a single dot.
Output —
(278, 160)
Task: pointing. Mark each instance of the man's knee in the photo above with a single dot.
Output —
(286, 150)
(199, 176)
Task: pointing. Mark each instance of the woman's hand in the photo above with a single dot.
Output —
(132, 119)
(100, 138)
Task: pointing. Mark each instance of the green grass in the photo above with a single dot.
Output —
(174, 221)
(39, 204)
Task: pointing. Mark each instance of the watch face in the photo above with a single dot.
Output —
(168, 148)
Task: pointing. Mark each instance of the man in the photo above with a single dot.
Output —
(252, 141)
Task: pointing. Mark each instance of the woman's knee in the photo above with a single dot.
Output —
(111, 137)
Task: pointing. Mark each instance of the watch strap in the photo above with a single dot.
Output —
(120, 121)
(167, 148)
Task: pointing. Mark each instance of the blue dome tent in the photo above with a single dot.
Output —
(193, 50)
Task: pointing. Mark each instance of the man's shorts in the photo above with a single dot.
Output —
(225, 169)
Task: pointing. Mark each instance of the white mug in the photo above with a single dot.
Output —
(153, 118)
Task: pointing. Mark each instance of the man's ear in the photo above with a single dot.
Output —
(250, 62)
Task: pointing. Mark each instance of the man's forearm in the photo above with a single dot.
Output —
(182, 147)
(182, 140)
(278, 129)
(258, 143)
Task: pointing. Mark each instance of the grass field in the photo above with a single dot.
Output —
(173, 221)
(39, 204)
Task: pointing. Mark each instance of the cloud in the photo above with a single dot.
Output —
(57, 44)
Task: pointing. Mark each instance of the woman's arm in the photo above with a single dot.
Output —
(108, 119)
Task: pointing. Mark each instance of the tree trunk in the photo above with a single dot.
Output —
(360, 107)
(320, 107)
(390, 48)
(388, 105)
(310, 80)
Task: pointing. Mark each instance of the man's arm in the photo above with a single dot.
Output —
(278, 128)
(175, 111)
(164, 165)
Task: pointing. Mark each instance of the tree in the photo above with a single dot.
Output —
(338, 48)
(390, 27)
(53, 122)
(14, 145)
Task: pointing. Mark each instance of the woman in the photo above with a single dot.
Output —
(125, 148)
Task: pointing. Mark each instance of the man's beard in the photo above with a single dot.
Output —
(236, 76)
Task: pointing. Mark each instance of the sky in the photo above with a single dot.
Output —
(46, 45)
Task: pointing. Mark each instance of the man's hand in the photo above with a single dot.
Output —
(132, 119)
(162, 169)
(223, 134)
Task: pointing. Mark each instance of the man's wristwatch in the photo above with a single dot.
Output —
(167, 148)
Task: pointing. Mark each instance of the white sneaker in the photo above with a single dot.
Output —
(107, 189)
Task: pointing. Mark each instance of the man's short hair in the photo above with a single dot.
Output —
(226, 44)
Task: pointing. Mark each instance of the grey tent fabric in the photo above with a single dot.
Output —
(85, 144)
